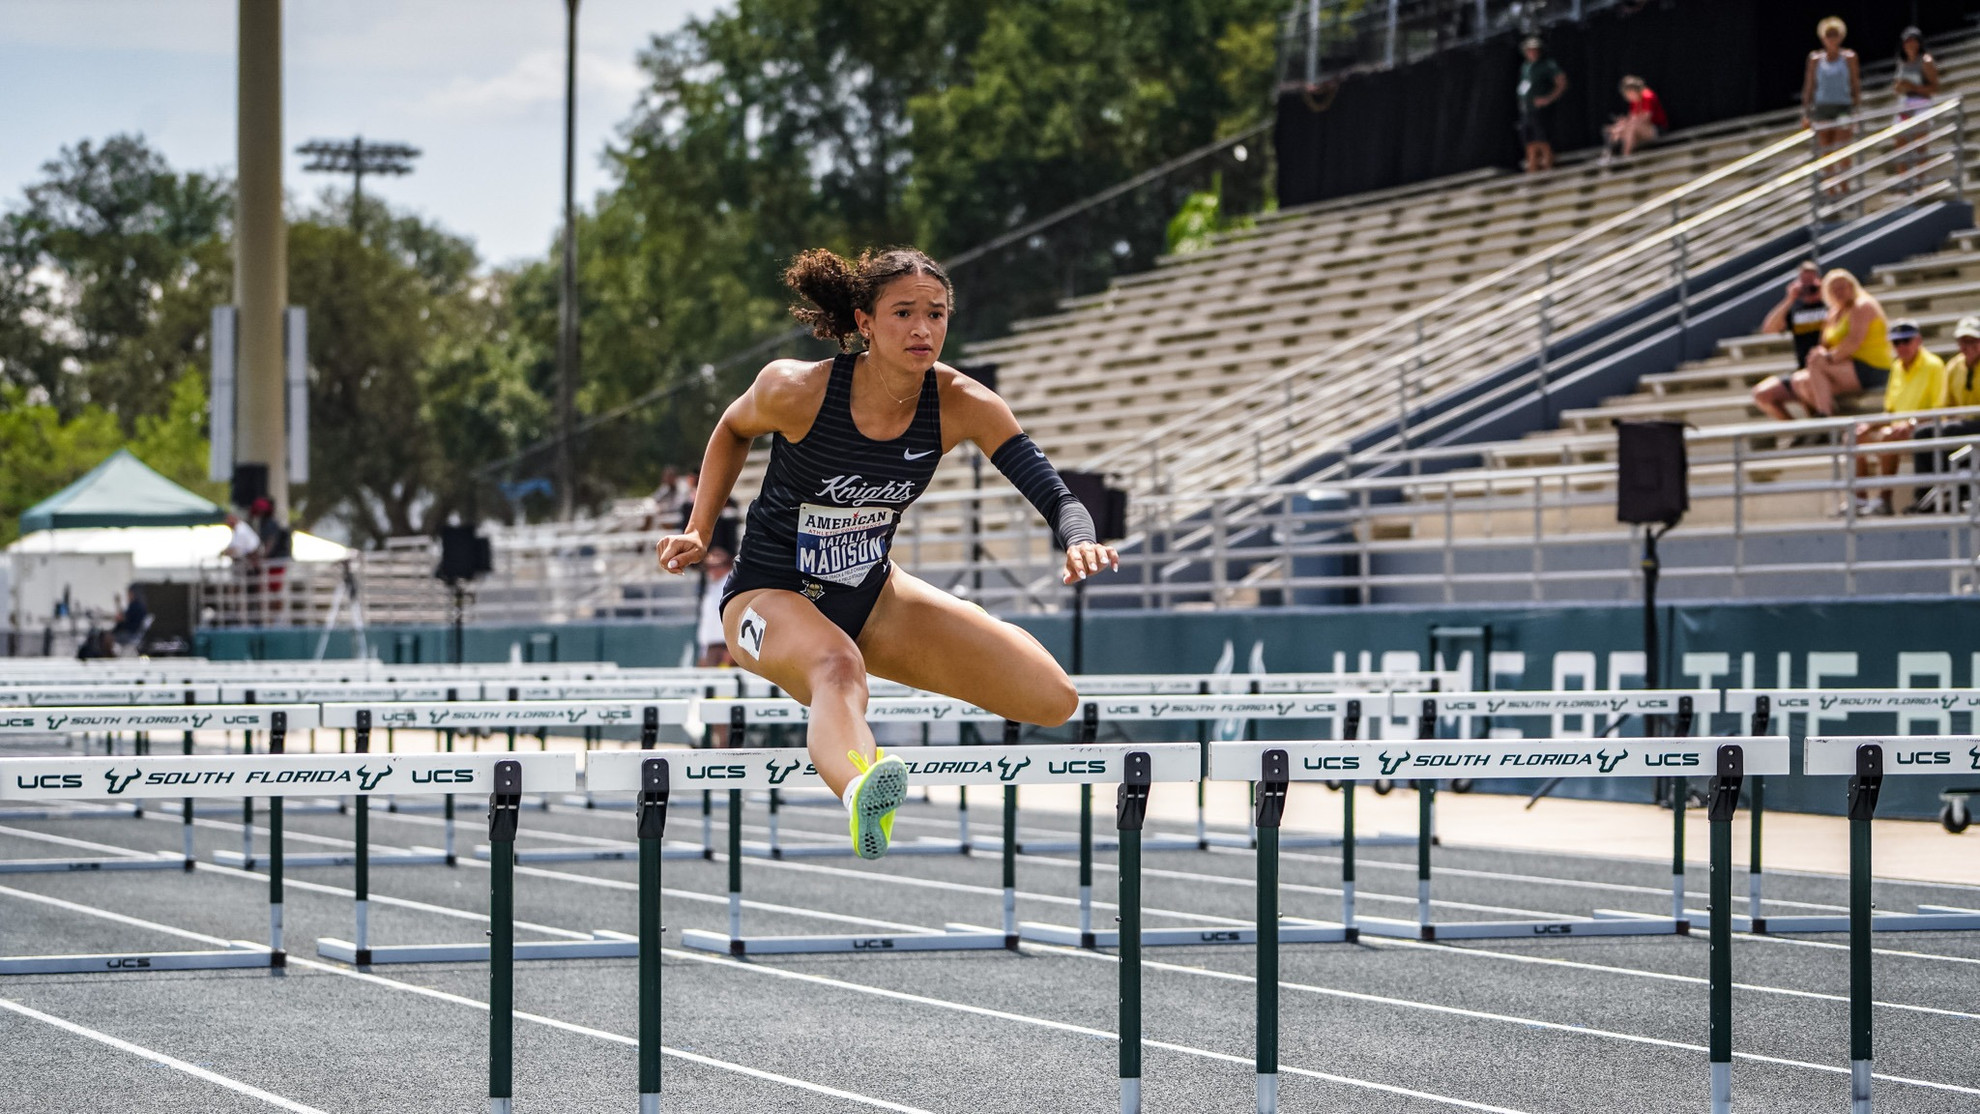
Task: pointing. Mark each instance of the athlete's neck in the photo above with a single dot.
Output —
(901, 383)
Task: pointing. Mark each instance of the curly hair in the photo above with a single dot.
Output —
(831, 286)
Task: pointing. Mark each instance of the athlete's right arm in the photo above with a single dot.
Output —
(774, 403)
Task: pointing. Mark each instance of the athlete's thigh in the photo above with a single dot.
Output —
(921, 636)
(783, 638)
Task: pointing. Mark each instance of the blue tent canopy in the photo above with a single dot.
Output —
(121, 491)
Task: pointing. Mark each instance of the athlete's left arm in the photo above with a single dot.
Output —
(974, 412)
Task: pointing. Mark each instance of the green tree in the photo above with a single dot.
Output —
(41, 452)
(108, 234)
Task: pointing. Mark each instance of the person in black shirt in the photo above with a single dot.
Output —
(815, 602)
(1800, 313)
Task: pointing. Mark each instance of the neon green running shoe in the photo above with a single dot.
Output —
(881, 789)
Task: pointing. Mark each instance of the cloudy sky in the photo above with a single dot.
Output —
(477, 85)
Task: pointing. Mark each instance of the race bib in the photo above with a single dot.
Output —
(842, 544)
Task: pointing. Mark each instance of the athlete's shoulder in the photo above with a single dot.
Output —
(791, 386)
(957, 388)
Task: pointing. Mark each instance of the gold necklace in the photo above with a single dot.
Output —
(883, 388)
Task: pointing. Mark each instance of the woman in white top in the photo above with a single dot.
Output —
(1916, 83)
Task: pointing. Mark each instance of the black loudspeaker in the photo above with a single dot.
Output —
(1107, 505)
(250, 483)
(464, 554)
(1651, 473)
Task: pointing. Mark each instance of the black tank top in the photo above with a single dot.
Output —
(830, 503)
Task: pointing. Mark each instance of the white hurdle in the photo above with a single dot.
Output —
(1427, 759)
(1134, 768)
(1760, 705)
(994, 765)
(1867, 761)
(451, 716)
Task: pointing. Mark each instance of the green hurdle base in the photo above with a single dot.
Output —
(843, 849)
(604, 944)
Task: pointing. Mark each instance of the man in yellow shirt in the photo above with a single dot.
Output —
(1918, 381)
(1962, 388)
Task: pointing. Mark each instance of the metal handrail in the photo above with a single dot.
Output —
(1175, 450)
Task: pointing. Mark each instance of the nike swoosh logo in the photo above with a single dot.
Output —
(916, 456)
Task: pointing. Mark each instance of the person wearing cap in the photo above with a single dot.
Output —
(1918, 380)
(1541, 83)
(1916, 82)
(1959, 386)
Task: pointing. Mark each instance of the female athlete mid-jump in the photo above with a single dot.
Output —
(814, 603)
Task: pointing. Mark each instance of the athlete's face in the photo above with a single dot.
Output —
(909, 322)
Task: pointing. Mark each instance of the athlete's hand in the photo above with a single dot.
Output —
(679, 551)
(1087, 559)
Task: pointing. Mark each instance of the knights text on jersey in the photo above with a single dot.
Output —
(831, 502)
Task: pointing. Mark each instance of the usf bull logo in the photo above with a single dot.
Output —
(1610, 761)
(55, 722)
(779, 772)
(1006, 770)
(120, 781)
(1391, 764)
(368, 779)
(1975, 752)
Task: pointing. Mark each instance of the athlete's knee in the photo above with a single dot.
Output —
(840, 669)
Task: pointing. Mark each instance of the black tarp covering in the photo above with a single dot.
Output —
(1708, 60)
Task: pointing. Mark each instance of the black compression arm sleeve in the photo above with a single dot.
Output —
(1024, 464)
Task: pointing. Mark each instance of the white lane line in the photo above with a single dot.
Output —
(1509, 1019)
(157, 1057)
(1641, 973)
(1081, 1030)
(380, 980)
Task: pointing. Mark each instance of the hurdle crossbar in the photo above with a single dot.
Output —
(1867, 761)
(652, 775)
(449, 716)
(1428, 764)
(996, 765)
(1758, 706)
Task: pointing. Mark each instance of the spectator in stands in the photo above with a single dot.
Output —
(1831, 90)
(1917, 82)
(243, 544)
(1854, 356)
(1800, 313)
(1918, 378)
(1541, 83)
(1960, 386)
(1644, 121)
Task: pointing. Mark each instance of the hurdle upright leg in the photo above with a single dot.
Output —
(735, 872)
(1679, 789)
(1753, 914)
(277, 744)
(654, 779)
(1426, 803)
(186, 807)
(1010, 867)
(1270, 794)
(1863, 790)
(1724, 803)
(361, 880)
(1086, 939)
(504, 807)
(1132, 809)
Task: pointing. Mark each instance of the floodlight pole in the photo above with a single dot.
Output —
(567, 335)
(358, 158)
